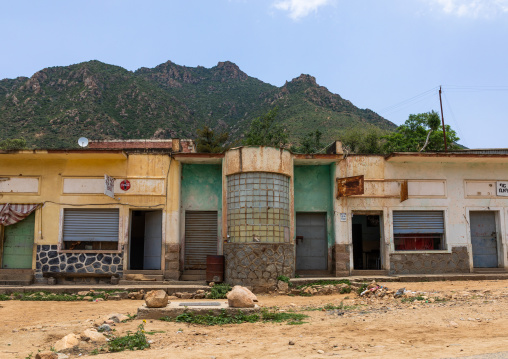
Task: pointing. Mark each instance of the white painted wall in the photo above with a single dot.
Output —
(453, 186)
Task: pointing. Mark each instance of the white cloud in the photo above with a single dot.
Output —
(472, 8)
(300, 8)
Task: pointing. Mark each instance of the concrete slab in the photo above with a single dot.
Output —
(173, 309)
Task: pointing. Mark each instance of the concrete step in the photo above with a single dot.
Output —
(193, 274)
(186, 282)
(154, 275)
(369, 272)
(18, 275)
(145, 272)
(16, 282)
(137, 282)
(489, 270)
(313, 273)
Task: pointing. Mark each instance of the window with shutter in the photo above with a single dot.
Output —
(90, 229)
(418, 230)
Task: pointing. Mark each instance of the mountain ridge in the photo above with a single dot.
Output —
(56, 105)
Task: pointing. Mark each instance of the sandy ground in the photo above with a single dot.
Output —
(473, 322)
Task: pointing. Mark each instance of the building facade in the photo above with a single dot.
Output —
(268, 211)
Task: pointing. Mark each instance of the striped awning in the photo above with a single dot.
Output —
(11, 213)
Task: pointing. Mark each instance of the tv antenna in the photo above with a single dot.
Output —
(83, 142)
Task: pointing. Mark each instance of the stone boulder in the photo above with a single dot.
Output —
(241, 297)
(67, 342)
(156, 299)
(46, 355)
(94, 336)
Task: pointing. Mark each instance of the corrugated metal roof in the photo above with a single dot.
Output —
(484, 151)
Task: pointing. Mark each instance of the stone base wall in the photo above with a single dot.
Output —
(49, 260)
(258, 264)
(341, 260)
(430, 263)
(172, 262)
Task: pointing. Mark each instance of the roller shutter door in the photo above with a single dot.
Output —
(418, 222)
(91, 225)
(200, 238)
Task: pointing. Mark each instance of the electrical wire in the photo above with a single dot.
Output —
(408, 101)
(455, 122)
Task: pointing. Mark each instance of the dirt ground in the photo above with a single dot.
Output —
(472, 322)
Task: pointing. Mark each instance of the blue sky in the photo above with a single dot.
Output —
(390, 56)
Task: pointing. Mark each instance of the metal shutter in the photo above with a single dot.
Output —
(418, 222)
(91, 225)
(200, 238)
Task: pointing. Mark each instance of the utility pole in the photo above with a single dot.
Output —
(442, 120)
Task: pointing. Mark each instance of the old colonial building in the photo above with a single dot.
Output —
(268, 211)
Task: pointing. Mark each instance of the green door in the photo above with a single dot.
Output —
(18, 244)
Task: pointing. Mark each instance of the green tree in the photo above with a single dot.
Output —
(264, 131)
(363, 140)
(311, 143)
(13, 144)
(421, 132)
(210, 142)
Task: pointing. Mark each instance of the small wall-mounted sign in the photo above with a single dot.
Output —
(109, 186)
(125, 185)
(343, 217)
(502, 188)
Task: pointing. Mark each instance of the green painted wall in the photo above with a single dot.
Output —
(202, 187)
(314, 192)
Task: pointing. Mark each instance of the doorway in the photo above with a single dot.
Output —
(18, 244)
(484, 239)
(311, 247)
(145, 240)
(366, 242)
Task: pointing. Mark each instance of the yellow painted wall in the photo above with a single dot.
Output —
(53, 167)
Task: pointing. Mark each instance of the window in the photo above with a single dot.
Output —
(90, 229)
(418, 230)
(258, 207)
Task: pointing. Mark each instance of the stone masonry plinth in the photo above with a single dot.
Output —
(341, 264)
(172, 268)
(258, 264)
(430, 263)
(50, 260)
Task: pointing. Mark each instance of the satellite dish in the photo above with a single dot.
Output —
(83, 141)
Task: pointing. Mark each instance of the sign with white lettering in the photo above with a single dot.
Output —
(109, 186)
(343, 217)
(502, 188)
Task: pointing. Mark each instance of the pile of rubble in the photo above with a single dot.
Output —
(317, 289)
(375, 290)
(199, 294)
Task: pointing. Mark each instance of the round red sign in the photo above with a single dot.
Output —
(125, 185)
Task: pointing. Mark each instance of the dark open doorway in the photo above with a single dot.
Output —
(366, 242)
(145, 240)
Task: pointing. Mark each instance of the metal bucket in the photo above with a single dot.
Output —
(215, 269)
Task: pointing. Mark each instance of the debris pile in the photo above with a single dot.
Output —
(319, 289)
(199, 294)
(376, 290)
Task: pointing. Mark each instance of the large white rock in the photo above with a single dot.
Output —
(249, 293)
(67, 342)
(94, 335)
(156, 299)
(241, 297)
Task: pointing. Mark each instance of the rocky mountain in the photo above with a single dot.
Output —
(57, 105)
